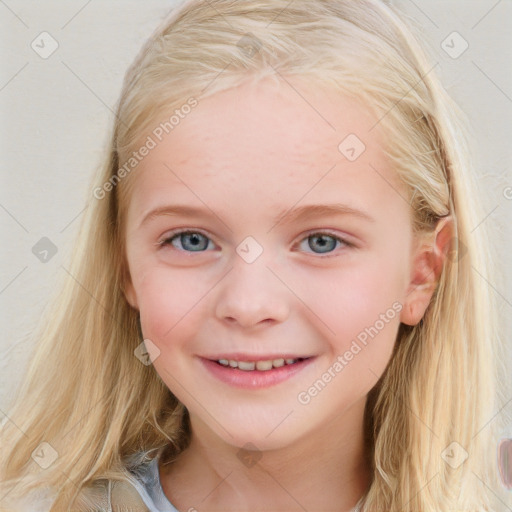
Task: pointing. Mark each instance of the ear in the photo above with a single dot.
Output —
(129, 292)
(429, 257)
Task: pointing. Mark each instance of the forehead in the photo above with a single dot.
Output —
(279, 141)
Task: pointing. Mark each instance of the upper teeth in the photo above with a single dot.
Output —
(256, 365)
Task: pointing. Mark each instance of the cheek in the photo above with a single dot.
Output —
(350, 299)
(371, 320)
(364, 317)
(360, 309)
(169, 303)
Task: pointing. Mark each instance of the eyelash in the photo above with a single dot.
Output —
(167, 241)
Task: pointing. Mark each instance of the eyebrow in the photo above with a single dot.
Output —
(286, 216)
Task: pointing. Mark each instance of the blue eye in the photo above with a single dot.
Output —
(194, 241)
(191, 241)
(322, 243)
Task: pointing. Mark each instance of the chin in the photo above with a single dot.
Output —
(255, 435)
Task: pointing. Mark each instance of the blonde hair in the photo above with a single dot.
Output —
(98, 406)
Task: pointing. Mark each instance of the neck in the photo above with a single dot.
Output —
(325, 470)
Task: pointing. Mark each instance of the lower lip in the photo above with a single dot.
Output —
(254, 379)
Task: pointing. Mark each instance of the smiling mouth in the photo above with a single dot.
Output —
(261, 366)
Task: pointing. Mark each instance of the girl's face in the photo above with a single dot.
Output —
(299, 249)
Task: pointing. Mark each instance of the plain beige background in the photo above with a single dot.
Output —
(56, 113)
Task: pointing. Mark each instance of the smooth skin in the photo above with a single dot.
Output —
(246, 155)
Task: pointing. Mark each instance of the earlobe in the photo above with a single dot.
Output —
(130, 295)
(429, 259)
(127, 288)
(412, 312)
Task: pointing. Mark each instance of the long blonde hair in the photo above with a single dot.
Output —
(96, 404)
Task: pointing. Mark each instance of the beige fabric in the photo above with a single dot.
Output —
(110, 496)
(126, 498)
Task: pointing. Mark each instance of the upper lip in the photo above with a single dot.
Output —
(237, 356)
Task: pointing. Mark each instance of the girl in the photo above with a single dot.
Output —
(277, 301)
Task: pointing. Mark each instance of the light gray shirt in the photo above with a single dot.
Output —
(147, 483)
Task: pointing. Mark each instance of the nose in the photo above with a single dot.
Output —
(251, 295)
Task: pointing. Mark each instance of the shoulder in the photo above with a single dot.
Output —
(37, 500)
(105, 495)
(101, 495)
(124, 494)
